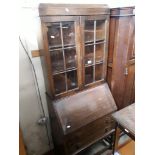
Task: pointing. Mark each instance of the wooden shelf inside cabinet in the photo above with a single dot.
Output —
(59, 47)
(68, 70)
(97, 63)
(91, 42)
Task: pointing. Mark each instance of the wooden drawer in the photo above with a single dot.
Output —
(89, 134)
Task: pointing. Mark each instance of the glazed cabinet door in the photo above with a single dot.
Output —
(60, 40)
(76, 51)
(95, 37)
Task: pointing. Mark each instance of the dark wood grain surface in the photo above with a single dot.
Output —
(84, 107)
(81, 115)
(126, 118)
(121, 73)
(72, 9)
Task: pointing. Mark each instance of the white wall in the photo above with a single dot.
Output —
(30, 110)
(111, 3)
(35, 136)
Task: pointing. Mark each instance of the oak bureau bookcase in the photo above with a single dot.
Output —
(74, 49)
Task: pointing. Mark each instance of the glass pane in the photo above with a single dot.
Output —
(68, 33)
(57, 61)
(100, 29)
(88, 74)
(89, 31)
(72, 79)
(98, 72)
(59, 83)
(70, 57)
(99, 52)
(89, 54)
(54, 35)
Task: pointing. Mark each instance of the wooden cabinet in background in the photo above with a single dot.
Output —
(121, 56)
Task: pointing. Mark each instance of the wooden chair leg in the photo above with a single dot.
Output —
(116, 140)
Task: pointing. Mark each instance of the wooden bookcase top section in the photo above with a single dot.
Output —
(82, 108)
(75, 46)
(46, 9)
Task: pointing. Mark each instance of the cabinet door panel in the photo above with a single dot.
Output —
(99, 52)
(100, 30)
(59, 83)
(77, 49)
(95, 47)
(62, 48)
(89, 75)
(62, 57)
(72, 79)
(89, 54)
(98, 72)
(57, 61)
(129, 86)
(68, 33)
(131, 48)
(54, 35)
(89, 31)
(71, 58)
